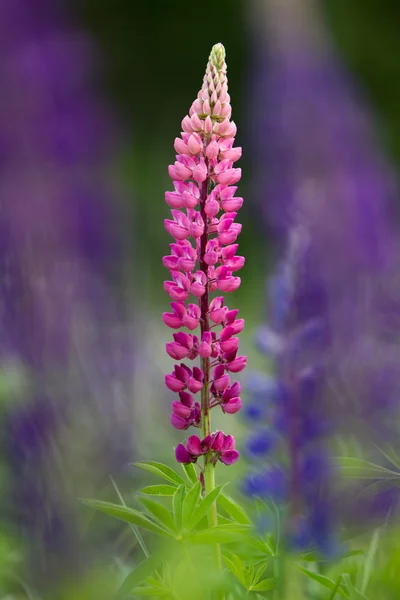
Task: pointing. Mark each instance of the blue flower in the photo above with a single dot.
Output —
(270, 483)
(260, 443)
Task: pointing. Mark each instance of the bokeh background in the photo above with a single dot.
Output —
(92, 96)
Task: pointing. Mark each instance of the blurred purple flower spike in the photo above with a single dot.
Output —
(327, 195)
(61, 255)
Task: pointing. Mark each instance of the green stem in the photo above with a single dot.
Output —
(209, 468)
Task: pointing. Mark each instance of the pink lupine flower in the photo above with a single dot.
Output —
(204, 259)
(184, 345)
(183, 456)
(217, 445)
(182, 317)
(184, 378)
(221, 379)
(185, 412)
(183, 257)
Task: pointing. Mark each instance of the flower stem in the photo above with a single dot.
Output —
(209, 468)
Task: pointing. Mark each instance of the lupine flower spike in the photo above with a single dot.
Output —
(203, 260)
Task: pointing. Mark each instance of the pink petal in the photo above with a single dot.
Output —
(230, 176)
(229, 457)
(197, 289)
(182, 455)
(237, 365)
(232, 406)
(178, 422)
(172, 320)
(194, 386)
(212, 150)
(193, 445)
(178, 232)
(232, 204)
(230, 345)
(180, 410)
(176, 351)
(205, 350)
(174, 384)
(180, 146)
(230, 284)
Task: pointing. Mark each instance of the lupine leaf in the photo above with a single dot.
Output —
(161, 514)
(369, 560)
(159, 490)
(249, 575)
(313, 557)
(363, 469)
(335, 589)
(264, 585)
(204, 507)
(233, 509)
(140, 573)
(126, 514)
(223, 534)
(260, 572)
(150, 591)
(177, 502)
(236, 566)
(190, 502)
(161, 470)
(190, 472)
(325, 581)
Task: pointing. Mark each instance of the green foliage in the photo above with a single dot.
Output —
(159, 490)
(190, 473)
(334, 586)
(254, 565)
(161, 470)
(248, 575)
(126, 514)
(233, 509)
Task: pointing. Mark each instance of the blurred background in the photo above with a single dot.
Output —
(92, 96)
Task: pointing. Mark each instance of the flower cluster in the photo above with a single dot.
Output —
(221, 446)
(342, 189)
(203, 258)
(289, 411)
(61, 249)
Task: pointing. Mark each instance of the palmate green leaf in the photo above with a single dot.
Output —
(380, 485)
(160, 513)
(222, 534)
(159, 490)
(190, 473)
(236, 566)
(325, 581)
(233, 509)
(190, 502)
(313, 557)
(177, 503)
(126, 514)
(370, 560)
(336, 588)
(249, 575)
(140, 573)
(264, 586)
(259, 573)
(263, 547)
(161, 470)
(358, 468)
(354, 593)
(148, 592)
(204, 507)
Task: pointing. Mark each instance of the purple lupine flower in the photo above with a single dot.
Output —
(58, 258)
(320, 179)
(204, 180)
(294, 417)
